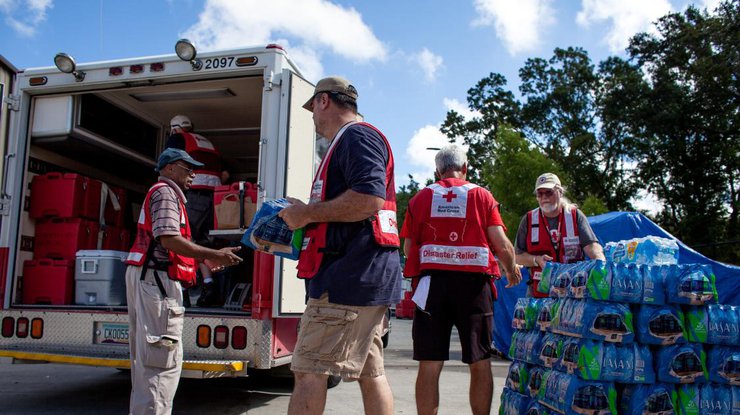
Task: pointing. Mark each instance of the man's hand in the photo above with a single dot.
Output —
(540, 260)
(222, 258)
(513, 276)
(296, 215)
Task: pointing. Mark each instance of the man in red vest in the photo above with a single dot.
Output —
(451, 232)
(555, 231)
(200, 195)
(160, 263)
(350, 256)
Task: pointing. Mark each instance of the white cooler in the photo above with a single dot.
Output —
(100, 277)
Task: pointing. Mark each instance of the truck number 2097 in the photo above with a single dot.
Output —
(215, 63)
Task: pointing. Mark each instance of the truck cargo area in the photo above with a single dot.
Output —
(114, 136)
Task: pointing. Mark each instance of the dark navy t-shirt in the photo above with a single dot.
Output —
(357, 271)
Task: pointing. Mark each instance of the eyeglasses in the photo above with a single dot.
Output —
(544, 193)
(187, 169)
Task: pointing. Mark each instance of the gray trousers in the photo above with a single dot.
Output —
(155, 334)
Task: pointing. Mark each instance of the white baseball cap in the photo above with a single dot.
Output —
(546, 181)
(181, 121)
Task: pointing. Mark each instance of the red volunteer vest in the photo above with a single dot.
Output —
(180, 268)
(385, 225)
(539, 241)
(448, 236)
(202, 150)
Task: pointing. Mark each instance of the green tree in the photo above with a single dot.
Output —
(565, 100)
(687, 118)
(514, 167)
(404, 194)
(495, 106)
(593, 206)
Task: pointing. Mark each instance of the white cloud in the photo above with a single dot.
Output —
(519, 24)
(628, 17)
(647, 202)
(460, 108)
(710, 5)
(429, 63)
(313, 26)
(25, 16)
(418, 153)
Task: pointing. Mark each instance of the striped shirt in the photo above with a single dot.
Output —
(165, 211)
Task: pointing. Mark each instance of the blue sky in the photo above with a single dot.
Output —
(410, 60)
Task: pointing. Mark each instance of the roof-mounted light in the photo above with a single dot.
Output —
(66, 64)
(185, 50)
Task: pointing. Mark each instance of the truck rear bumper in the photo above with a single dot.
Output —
(190, 368)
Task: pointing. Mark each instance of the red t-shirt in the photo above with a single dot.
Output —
(484, 208)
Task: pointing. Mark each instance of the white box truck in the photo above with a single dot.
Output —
(109, 121)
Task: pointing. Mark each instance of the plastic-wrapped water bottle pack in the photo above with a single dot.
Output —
(635, 334)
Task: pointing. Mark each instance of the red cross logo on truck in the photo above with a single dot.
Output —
(449, 196)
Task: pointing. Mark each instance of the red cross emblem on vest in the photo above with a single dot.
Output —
(449, 196)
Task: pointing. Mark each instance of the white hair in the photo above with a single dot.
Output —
(450, 158)
(565, 203)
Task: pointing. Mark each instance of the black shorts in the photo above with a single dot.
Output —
(463, 300)
(200, 214)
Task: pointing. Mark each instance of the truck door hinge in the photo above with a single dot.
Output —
(271, 81)
(13, 101)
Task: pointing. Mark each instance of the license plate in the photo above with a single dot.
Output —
(111, 333)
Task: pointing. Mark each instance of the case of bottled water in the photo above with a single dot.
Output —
(681, 363)
(660, 325)
(651, 399)
(646, 250)
(713, 324)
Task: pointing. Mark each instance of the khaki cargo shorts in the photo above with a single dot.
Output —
(340, 340)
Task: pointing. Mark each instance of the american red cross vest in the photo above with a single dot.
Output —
(202, 150)
(539, 241)
(385, 226)
(447, 234)
(180, 268)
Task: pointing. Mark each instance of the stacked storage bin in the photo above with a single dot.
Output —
(637, 334)
(69, 218)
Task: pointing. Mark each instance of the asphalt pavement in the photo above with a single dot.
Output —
(80, 390)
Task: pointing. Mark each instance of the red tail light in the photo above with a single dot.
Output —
(115, 71)
(156, 67)
(136, 69)
(221, 337)
(239, 338)
(37, 81)
(204, 336)
(21, 328)
(8, 327)
(37, 328)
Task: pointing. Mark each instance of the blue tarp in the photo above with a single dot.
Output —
(610, 227)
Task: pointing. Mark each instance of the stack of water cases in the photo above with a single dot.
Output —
(638, 334)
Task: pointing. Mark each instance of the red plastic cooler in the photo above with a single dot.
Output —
(61, 238)
(65, 195)
(48, 281)
(116, 239)
(115, 217)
